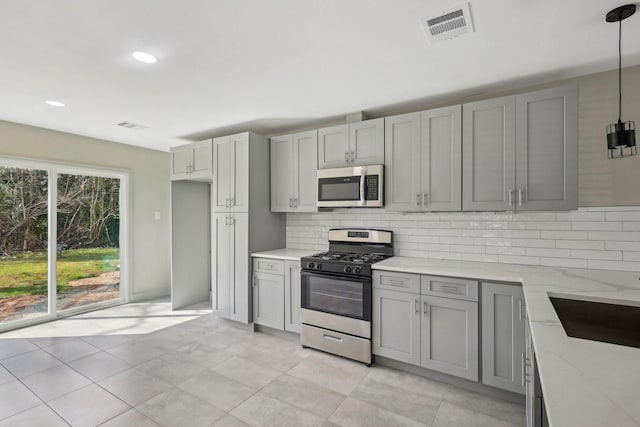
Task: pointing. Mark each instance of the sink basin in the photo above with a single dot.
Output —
(599, 321)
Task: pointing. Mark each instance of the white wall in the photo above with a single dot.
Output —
(150, 188)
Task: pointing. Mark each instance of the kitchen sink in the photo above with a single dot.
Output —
(599, 321)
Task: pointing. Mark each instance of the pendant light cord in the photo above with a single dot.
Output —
(620, 69)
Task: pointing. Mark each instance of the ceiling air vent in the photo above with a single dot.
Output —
(448, 24)
(131, 125)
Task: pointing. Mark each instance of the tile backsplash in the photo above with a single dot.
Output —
(605, 238)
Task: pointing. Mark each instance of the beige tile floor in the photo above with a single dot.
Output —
(144, 365)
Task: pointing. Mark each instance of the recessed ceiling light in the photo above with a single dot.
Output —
(145, 57)
(54, 103)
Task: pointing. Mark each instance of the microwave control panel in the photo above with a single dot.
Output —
(372, 187)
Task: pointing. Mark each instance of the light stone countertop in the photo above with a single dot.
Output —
(284, 254)
(585, 383)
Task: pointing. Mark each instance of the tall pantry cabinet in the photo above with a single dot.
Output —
(242, 221)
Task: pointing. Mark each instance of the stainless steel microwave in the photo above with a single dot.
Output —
(358, 186)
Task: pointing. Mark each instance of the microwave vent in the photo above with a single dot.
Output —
(448, 24)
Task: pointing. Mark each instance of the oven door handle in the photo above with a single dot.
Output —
(363, 179)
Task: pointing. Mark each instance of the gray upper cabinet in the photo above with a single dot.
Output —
(231, 160)
(503, 336)
(193, 162)
(488, 158)
(293, 172)
(521, 152)
(547, 149)
(353, 144)
(423, 155)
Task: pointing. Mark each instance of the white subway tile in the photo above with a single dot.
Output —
(433, 224)
(424, 239)
(467, 224)
(624, 246)
(630, 236)
(568, 235)
(511, 259)
(589, 254)
(520, 234)
(467, 249)
(631, 226)
(536, 216)
(624, 216)
(433, 247)
(411, 253)
(549, 225)
(505, 250)
(479, 257)
(580, 216)
(492, 241)
(564, 262)
(445, 232)
(533, 243)
(444, 255)
(580, 244)
(480, 233)
(630, 256)
(549, 252)
(456, 240)
(614, 265)
(596, 226)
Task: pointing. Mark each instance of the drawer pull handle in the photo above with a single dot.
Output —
(395, 282)
(447, 288)
(332, 338)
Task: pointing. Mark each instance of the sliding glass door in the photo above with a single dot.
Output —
(62, 240)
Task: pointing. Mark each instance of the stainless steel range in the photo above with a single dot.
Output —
(336, 292)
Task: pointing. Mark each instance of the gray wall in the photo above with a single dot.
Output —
(150, 259)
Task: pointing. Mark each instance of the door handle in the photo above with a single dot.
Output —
(523, 365)
(290, 202)
(231, 202)
(425, 199)
(425, 309)
(353, 156)
(417, 199)
(295, 202)
(520, 198)
(363, 176)
(417, 303)
(510, 197)
(346, 157)
(332, 338)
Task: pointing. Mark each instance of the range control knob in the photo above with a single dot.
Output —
(357, 270)
(319, 267)
(310, 265)
(347, 269)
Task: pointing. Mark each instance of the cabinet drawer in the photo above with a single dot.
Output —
(393, 281)
(449, 287)
(266, 265)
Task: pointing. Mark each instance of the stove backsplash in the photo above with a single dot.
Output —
(600, 238)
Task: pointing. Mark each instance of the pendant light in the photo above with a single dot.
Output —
(621, 136)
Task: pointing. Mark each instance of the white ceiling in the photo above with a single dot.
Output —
(277, 65)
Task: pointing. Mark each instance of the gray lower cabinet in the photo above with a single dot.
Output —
(424, 328)
(276, 294)
(503, 336)
(396, 325)
(268, 301)
(449, 336)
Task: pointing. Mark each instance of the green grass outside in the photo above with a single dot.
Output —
(26, 274)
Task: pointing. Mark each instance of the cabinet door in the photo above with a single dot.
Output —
(488, 155)
(223, 168)
(402, 163)
(305, 165)
(547, 149)
(282, 173)
(503, 344)
(221, 272)
(441, 141)
(396, 325)
(333, 147)
(239, 191)
(449, 336)
(240, 268)
(366, 142)
(292, 296)
(268, 300)
(203, 160)
(181, 160)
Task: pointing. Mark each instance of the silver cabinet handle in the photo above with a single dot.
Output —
(523, 368)
(231, 202)
(425, 309)
(346, 157)
(353, 156)
(363, 177)
(510, 197)
(290, 202)
(226, 220)
(519, 196)
(417, 303)
(448, 289)
(231, 221)
(253, 281)
(226, 202)
(522, 308)
(332, 338)
(417, 199)
(425, 199)
(295, 202)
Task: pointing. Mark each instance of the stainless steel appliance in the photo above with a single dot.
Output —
(336, 292)
(359, 186)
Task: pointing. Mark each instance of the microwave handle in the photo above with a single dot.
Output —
(363, 177)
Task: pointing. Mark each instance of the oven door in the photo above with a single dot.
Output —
(336, 294)
(336, 302)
